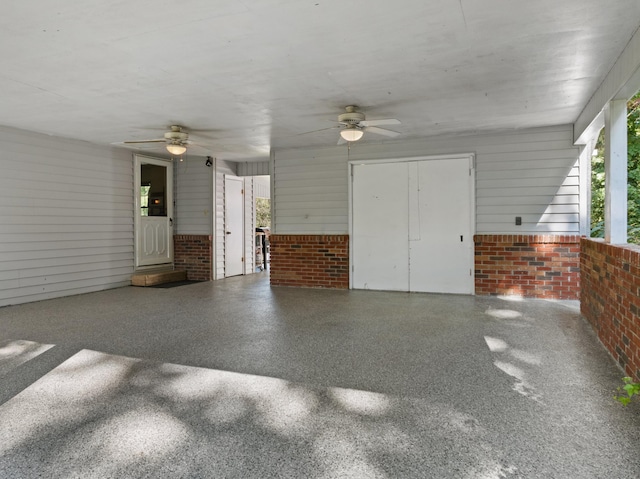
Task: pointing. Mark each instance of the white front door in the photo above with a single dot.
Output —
(154, 211)
(412, 225)
(234, 222)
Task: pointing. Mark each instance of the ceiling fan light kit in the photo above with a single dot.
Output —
(351, 133)
(176, 149)
(176, 140)
(354, 124)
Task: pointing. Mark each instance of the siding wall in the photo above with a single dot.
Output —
(193, 196)
(253, 168)
(262, 187)
(66, 217)
(529, 173)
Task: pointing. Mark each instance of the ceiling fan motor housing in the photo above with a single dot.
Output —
(351, 117)
(176, 136)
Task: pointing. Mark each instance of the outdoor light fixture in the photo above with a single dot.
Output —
(351, 133)
(176, 149)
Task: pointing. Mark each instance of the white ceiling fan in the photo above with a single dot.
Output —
(353, 125)
(176, 139)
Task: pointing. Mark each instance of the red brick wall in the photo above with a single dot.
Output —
(192, 253)
(533, 266)
(610, 299)
(317, 261)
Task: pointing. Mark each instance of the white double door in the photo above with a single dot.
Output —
(412, 225)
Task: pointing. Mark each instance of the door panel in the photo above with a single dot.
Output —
(441, 254)
(380, 227)
(154, 216)
(234, 226)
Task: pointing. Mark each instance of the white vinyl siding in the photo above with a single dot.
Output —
(66, 217)
(261, 187)
(528, 173)
(310, 191)
(253, 168)
(194, 197)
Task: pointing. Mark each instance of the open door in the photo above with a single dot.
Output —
(154, 211)
(234, 226)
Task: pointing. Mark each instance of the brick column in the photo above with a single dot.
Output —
(533, 266)
(610, 299)
(192, 253)
(316, 261)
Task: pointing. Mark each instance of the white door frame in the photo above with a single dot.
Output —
(167, 260)
(472, 196)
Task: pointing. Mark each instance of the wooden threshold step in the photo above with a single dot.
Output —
(152, 278)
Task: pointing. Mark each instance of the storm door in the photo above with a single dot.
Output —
(154, 211)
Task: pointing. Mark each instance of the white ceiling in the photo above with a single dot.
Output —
(257, 73)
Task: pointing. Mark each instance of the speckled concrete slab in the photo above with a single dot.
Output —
(13, 353)
(99, 415)
(238, 379)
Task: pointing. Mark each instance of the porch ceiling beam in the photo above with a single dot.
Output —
(621, 83)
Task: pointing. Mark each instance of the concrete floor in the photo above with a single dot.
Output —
(238, 379)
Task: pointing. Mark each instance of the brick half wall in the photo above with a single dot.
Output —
(532, 266)
(610, 299)
(192, 253)
(315, 261)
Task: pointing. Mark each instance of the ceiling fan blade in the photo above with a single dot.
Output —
(150, 146)
(201, 130)
(386, 121)
(316, 131)
(197, 149)
(341, 141)
(147, 141)
(381, 131)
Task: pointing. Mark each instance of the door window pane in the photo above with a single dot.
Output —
(153, 190)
